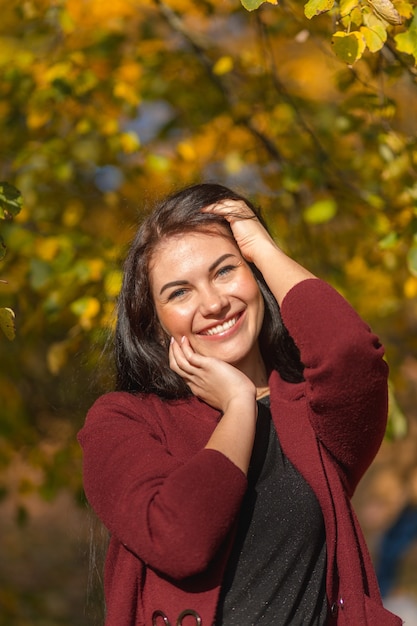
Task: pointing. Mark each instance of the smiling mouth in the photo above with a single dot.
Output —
(221, 328)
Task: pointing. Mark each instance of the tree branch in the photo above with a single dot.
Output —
(178, 26)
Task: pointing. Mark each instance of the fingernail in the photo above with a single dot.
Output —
(183, 339)
(172, 340)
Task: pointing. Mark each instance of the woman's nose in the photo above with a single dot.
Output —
(212, 302)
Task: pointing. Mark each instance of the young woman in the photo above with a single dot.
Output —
(250, 400)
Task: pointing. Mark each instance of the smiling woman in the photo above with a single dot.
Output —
(141, 342)
(224, 463)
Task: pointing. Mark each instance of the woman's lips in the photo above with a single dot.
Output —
(218, 329)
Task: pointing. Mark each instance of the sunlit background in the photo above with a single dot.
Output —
(106, 106)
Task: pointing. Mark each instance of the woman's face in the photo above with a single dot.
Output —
(204, 290)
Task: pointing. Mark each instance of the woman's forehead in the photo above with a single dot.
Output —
(190, 250)
(211, 231)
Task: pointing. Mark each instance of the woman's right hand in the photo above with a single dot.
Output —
(210, 379)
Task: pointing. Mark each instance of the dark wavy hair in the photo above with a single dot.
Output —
(141, 345)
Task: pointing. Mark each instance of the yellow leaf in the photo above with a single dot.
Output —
(59, 70)
(223, 66)
(7, 317)
(316, 7)
(47, 248)
(109, 126)
(405, 9)
(321, 211)
(95, 12)
(410, 287)
(126, 92)
(129, 72)
(129, 142)
(113, 283)
(85, 308)
(186, 150)
(96, 267)
(374, 37)
(83, 127)
(158, 163)
(347, 6)
(37, 118)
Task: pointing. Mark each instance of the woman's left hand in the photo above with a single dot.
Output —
(256, 245)
(250, 234)
(226, 388)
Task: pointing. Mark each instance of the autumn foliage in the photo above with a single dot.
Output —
(307, 108)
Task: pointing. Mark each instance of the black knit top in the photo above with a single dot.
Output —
(277, 569)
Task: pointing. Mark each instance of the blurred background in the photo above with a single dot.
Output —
(106, 106)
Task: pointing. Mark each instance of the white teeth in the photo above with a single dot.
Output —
(221, 327)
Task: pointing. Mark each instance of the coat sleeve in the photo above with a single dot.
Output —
(173, 515)
(345, 374)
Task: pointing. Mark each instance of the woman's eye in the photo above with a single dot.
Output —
(223, 271)
(177, 293)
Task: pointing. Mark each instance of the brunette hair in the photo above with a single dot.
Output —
(141, 346)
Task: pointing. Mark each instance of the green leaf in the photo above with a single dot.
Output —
(389, 241)
(320, 212)
(412, 260)
(251, 5)
(10, 200)
(316, 7)
(7, 323)
(407, 41)
(349, 46)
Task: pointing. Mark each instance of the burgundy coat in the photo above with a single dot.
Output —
(170, 505)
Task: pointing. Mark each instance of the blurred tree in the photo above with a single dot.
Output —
(10, 205)
(105, 106)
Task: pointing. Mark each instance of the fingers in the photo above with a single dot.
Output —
(230, 210)
(182, 358)
(187, 364)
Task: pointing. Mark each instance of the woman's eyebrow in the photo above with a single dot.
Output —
(220, 260)
(174, 283)
(181, 283)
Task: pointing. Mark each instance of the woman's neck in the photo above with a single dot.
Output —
(255, 369)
